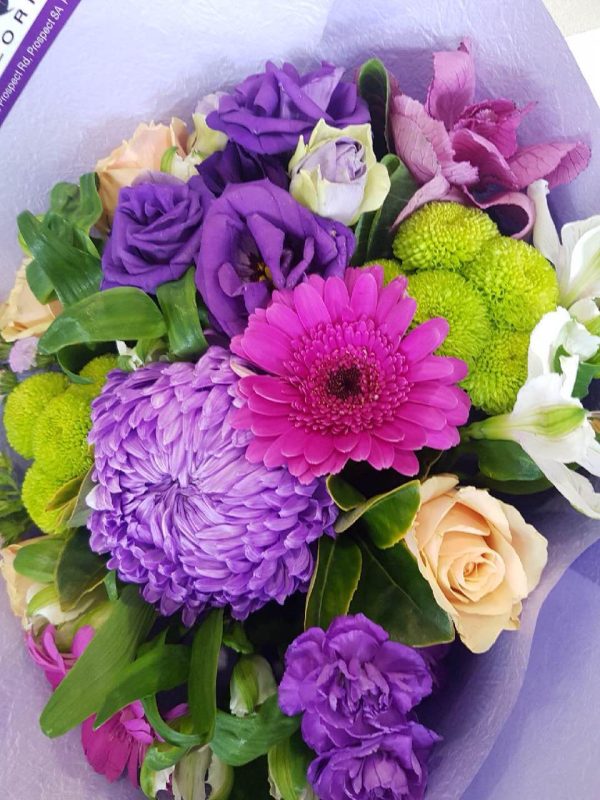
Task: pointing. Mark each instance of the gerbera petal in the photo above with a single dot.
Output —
(424, 339)
(310, 307)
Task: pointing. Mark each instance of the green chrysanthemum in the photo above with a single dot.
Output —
(391, 268)
(25, 404)
(60, 446)
(499, 372)
(518, 283)
(440, 293)
(36, 493)
(442, 235)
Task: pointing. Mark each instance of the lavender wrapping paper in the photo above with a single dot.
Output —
(117, 64)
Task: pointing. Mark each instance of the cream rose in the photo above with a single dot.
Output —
(479, 556)
(22, 315)
(144, 151)
(17, 586)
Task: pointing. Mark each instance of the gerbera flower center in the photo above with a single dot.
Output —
(344, 382)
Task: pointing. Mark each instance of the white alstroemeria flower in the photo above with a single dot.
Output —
(555, 330)
(251, 684)
(555, 430)
(336, 174)
(202, 143)
(577, 259)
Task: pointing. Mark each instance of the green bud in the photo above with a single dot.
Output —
(252, 683)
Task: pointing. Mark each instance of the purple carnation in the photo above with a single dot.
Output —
(234, 164)
(178, 506)
(155, 234)
(351, 682)
(387, 767)
(258, 238)
(269, 111)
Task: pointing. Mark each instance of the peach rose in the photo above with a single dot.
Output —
(22, 315)
(17, 585)
(479, 556)
(142, 152)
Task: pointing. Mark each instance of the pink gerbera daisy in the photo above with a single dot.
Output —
(345, 380)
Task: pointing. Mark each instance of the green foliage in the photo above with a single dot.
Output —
(392, 592)
(203, 674)
(517, 282)
(288, 763)
(94, 374)
(78, 204)
(498, 372)
(177, 301)
(37, 492)
(24, 405)
(38, 559)
(14, 520)
(374, 87)
(503, 460)
(334, 581)
(442, 236)
(78, 571)
(441, 293)
(60, 446)
(96, 672)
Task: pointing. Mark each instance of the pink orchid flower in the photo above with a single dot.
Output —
(468, 152)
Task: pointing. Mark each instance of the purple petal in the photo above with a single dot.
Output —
(453, 84)
(557, 162)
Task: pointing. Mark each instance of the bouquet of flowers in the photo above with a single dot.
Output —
(276, 378)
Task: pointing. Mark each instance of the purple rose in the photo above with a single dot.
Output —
(234, 164)
(258, 238)
(155, 234)
(351, 682)
(387, 767)
(269, 111)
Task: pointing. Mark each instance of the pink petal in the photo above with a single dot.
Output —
(271, 388)
(396, 325)
(430, 368)
(444, 439)
(426, 416)
(346, 442)
(557, 162)
(420, 141)
(255, 452)
(496, 120)
(269, 425)
(318, 449)
(434, 394)
(291, 443)
(389, 298)
(310, 306)
(453, 84)
(424, 339)
(491, 165)
(363, 447)
(435, 189)
(364, 295)
(406, 463)
(382, 454)
(336, 298)
(282, 317)
(267, 347)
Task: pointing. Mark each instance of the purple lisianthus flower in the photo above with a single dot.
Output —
(155, 234)
(235, 164)
(23, 354)
(468, 152)
(269, 111)
(178, 506)
(257, 238)
(351, 682)
(387, 767)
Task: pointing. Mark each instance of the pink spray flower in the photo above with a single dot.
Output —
(344, 380)
(468, 152)
(121, 743)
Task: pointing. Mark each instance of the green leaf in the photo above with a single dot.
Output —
(202, 687)
(504, 460)
(160, 669)
(178, 736)
(288, 763)
(95, 673)
(238, 740)
(80, 510)
(38, 560)
(80, 205)
(122, 313)
(67, 259)
(14, 520)
(586, 373)
(110, 584)
(361, 233)
(234, 636)
(334, 581)
(177, 300)
(388, 517)
(392, 593)
(344, 495)
(402, 188)
(512, 487)
(374, 88)
(78, 571)
(163, 755)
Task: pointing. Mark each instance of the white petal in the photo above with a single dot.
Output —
(584, 263)
(575, 487)
(545, 340)
(584, 311)
(545, 236)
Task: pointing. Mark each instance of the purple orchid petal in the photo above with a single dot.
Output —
(453, 84)
(493, 168)
(557, 162)
(497, 121)
(435, 189)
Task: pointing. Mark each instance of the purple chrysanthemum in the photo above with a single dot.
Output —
(178, 506)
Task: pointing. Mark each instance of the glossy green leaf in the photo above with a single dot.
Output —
(234, 636)
(388, 517)
(344, 495)
(64, 255)
(179, 733)
(504, 460)
(111, 586)
(38, 560)
(95, 673)
(79, 204)
(334, 581)
(123, 313)
(393, 593)
(163, 755)
(512, 487)
(39, 283)
(177, 300)
(252, 682)
(202, 686)
(79, 570)
(374, 88)
(288, 763)
(80, 511)
(238, 740)
(402, 188)
(160, 669)
(361, 233)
